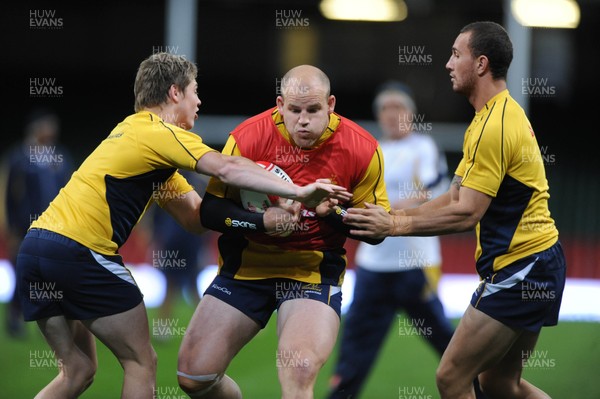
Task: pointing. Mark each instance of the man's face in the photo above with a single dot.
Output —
(305, 112)
(462, 65)
(188, 107)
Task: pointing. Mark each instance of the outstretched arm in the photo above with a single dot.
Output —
(461, 213)
(436, 203)
(244, 173)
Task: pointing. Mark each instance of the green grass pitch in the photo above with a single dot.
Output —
(566, 364)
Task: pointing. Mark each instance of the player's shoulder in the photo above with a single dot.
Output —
(507, 117)
(351, 129)
(508, 107)
(140, 119)
(140, 122)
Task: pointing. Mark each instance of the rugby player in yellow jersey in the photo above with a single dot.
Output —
(71, 279)
(499, 189)
(298, 275)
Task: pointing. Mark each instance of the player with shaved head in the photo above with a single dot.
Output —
(299, 274)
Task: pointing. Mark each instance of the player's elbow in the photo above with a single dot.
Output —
(193, 223)
(470, 221)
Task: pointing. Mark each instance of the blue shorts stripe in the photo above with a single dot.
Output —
(526, 294)
(59, 276)
(492, 288)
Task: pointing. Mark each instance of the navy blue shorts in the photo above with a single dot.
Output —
(526, 294)
(258, 299)
(59, 276)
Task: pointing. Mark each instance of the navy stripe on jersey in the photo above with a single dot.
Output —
(503, 169)
(498, 225)
(479, 140)
(180, 143)
(127, 198)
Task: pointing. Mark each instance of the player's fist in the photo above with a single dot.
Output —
(281, 219)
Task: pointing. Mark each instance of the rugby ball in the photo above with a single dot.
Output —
(259, 202)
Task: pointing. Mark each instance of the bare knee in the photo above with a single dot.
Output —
(300, 377)
(297, 370)
(443, 378)
(452, 381)
(149, 360)
(87, 374)
(142, 364)
(79, 373)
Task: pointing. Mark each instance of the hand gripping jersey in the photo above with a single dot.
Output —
(346, 153)
(415, 170)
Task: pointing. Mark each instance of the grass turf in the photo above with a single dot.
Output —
(565, 364)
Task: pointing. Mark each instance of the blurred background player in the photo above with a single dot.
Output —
(401, 273)
(36, 170)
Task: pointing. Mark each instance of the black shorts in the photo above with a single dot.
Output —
(59, 276)
(526, 294)
(258, 299)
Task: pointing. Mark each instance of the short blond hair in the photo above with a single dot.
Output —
(155, 76)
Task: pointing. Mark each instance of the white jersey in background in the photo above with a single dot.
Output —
(414, 169)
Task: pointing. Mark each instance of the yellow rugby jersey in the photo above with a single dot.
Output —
(346, 153)
(135, 165)
(502, 159)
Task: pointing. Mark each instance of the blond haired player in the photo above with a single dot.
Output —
(70, 277)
